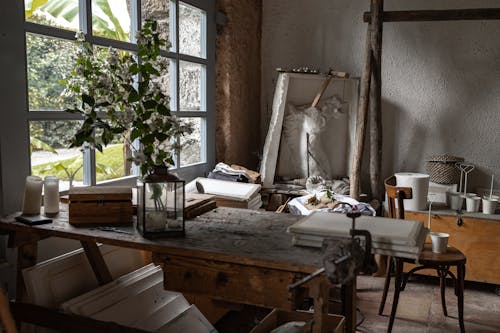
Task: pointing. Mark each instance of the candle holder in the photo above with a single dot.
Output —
(160, 206)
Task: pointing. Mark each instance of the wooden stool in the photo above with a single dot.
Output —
(441, 262)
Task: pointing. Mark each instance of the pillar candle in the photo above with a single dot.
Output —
(51, 195)
(32, 195)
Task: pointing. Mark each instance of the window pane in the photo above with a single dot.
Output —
(167, 80)
(192, 77)
(49, 60)
(191, 30)
(49, 153)
(114, 161)
(111, 19)
(192, 144)
(55, 13)
(160, 11)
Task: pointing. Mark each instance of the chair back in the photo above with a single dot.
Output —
(396, 194)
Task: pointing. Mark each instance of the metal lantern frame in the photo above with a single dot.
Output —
(178, 206)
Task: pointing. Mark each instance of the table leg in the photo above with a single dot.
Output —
(349, 305)
(397, 289)
(460, 282)
(97, 262)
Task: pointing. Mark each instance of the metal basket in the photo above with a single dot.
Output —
(442, 170)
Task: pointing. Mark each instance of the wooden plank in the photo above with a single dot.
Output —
(256, 238)
(361, 119)
(17, 239)
(438, 15)
(230, 282)
(375, 105)
(64, 322)
(97, 262)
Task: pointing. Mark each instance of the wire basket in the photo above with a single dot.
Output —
(442, 170)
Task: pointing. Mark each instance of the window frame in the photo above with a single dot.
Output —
(208, 88)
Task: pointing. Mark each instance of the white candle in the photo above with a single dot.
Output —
(32, 195)
(51, 195)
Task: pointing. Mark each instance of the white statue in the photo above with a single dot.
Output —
(301, 147)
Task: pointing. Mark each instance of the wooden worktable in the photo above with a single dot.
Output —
(248, 255)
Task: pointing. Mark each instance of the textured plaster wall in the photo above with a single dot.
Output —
(441, 80)
(238, 83)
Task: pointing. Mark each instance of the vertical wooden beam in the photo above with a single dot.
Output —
(361, 120)
(97, 262)
(377, 10)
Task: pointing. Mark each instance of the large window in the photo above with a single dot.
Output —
(50, 28)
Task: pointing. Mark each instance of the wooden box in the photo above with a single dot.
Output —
(100, 205)
(334, 323)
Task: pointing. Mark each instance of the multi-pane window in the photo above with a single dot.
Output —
(50, 28)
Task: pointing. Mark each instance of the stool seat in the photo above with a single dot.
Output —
(452, 256)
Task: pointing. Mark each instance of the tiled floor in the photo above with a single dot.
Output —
(419, 309)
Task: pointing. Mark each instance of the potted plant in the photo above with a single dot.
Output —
(121, 94)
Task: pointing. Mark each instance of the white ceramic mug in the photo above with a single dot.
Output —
(472, 204)
(489, 205)
(439, 241)
(455, 200)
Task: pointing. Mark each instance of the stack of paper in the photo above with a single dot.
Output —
(394, 237)
(138, 300)
(227, 193)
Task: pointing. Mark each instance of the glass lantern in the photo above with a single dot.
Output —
(160, 206)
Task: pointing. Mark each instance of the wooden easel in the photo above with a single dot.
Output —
(371, 82)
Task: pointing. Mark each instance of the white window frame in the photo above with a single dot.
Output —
(15, 115)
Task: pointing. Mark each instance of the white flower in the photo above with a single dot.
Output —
(80, 36)
(139, 158)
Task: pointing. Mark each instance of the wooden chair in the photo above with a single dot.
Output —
(441, 262)
(5, 315)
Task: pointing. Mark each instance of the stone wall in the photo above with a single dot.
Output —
(441, 80)
(238, 83)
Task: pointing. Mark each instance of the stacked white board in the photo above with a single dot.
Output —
(401, 238)
(138, 300)
(59, 279)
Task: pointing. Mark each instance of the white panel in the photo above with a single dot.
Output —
(59, 279)
(125, 280)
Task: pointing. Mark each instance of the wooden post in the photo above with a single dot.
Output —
(361, 120)
(438, 15)
(377, 7)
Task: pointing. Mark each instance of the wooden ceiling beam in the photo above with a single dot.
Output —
(437, 15)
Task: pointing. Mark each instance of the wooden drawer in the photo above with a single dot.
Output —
(229, 282)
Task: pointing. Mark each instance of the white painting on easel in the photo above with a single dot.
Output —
(330, 127)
